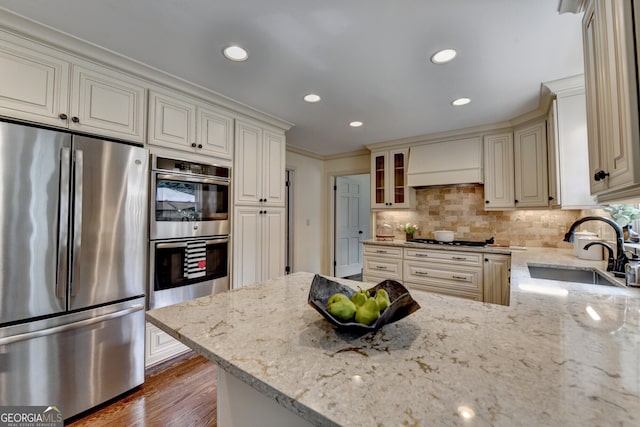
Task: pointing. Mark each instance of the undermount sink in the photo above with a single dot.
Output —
(591, 277)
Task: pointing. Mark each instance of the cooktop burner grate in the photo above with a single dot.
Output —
(453, 243)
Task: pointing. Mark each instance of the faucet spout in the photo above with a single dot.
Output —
(618, 265)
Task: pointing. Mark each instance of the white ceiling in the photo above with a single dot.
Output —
(367, 59)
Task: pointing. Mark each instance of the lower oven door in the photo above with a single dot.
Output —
(182, 270)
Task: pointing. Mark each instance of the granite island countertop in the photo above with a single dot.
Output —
(541, 361)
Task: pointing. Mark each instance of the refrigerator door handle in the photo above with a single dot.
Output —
(63, 220)
(69, 326)
(77, 221)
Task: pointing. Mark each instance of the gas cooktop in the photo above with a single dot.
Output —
(453, 243)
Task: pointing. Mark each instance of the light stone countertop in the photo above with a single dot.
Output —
(542, 361)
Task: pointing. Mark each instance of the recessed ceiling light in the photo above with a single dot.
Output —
(460, 102)
(311, 98)
(235, 53)
(444, 55)
(355, 124)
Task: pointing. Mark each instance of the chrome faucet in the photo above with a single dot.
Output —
(617, 266)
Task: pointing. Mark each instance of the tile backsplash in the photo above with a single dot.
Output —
(461, 209)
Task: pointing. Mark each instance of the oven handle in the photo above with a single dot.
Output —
(173, 177)
(183, 244)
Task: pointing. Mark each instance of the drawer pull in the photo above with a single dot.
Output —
(380, 267)
(381, 252)
(459, 277)
(459, 258)
(421, 273)
(421, 255)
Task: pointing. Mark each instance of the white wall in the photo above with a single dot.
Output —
(312, 207)
(308, 211)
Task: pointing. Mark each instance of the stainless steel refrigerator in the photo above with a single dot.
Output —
(73, 226)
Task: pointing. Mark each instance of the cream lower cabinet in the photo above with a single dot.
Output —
(160, 346)
(41, 86)
(457, 274)
(497, 278)
(258, 245)
(473, 275)
(382, 262)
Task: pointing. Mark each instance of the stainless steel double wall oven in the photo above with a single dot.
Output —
(189, 230)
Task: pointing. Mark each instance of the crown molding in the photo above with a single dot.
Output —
(566, 87)
(323, 157)
(303, 152)
(51, 38)
(571, 6)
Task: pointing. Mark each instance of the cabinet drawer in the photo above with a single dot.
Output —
(443, 276)
(383, 251)
(444, 256)
(385, 268)
(443, 291)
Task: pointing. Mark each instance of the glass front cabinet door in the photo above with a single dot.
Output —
(389, 180)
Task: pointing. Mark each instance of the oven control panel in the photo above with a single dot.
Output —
(187, 167)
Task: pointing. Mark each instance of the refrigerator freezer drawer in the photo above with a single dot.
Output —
(75, 366)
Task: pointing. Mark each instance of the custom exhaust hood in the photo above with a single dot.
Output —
(445, 163)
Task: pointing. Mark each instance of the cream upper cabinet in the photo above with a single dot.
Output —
(259, 177)
(34, 85)
(183, 123)
(107, 103)
(172, 121)
(46, 86)
(214, 132)
(568, 146)
(530, 166)
(611, 83)
(389, 184)
(499, 178)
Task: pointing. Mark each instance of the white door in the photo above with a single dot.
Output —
(348, 226)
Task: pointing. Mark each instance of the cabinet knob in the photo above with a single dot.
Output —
(199, 145)
(516, 201)
(193, 144)
(486, 202)
(600, 175)
(74, 119)
(551, 198)
(63, 116)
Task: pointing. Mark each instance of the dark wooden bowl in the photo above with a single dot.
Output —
(401, 305)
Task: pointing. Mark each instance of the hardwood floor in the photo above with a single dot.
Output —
(181, 394)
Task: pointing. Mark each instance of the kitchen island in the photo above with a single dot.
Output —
(545, 360)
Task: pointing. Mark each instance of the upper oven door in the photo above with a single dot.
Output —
(188, 206)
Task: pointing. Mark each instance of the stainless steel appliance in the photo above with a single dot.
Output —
(72, 268)
(188, 199)
(185, 269)
(189, 230)
(483, 243)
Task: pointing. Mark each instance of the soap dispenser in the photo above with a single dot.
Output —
(632, 271)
